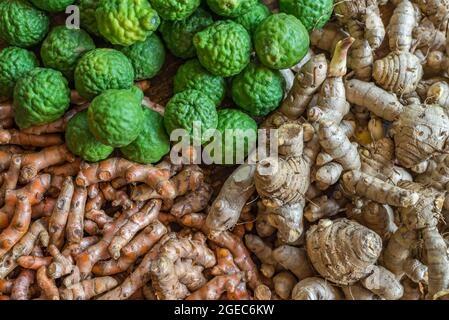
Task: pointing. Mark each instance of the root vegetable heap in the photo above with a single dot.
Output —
(354, 205)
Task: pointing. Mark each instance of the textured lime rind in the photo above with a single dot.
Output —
(313, 14)
(187, 107)
(191, 75)
(124, 22)
(238, 126)
(88, 20)
(231, 8)
(21, 24)
(223, 48)
(15, 63)
(102, 69)
(52, 5)
(152, 143)
(63, 47)
(178, 35)
(147, 57)
(252, 18)
(40, 97)
(81, 142)
(281, 41)
(116, 117)
(258, 89)
(175, 9)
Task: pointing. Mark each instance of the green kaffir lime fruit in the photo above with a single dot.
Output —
(313, 14)
(281, 41)
(191, 75)
(175, 9)
(224, 48)
(186, 108)
(52, 5)
(81, 142)
(63, 47)
(15, 63)
(231, 8)
(21, 24)
(124, 22)
(238, 132)
(252, 18)
(102, 69)
(258, 89)
(116, 116)
(88, 20)
(178, 35)
(40, 97)
(152, 143)
(147, 57)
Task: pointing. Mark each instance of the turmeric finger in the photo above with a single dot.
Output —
(13, 136)
(47, 284)
(75, 219)
(102, 171)
(194, 201)
(58, 219)
(88, 289)
(11, 177)
(22, 284)
(34, 262)
(34, 162)
(216, 287)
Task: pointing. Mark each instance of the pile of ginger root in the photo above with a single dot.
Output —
(352, 207)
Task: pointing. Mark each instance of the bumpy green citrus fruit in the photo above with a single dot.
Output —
(116, 116)
(252, 18)
(63, 47)
(87, 16)
(15, 63)
(52, 5)
(178, 35)
(21, 24)
(81, 142)
(258, 89)
(124, 22)
(147, 57)
(102, 69)
(223, 48)
(238, 132)
(281, 41)
(191, 75)
(187, 107)
(312, 13)
(41, 96)
(231, 8)
(175, 9)
(152, 143)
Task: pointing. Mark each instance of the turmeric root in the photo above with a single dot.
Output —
(34, 162)
(37, 231)
(136, 222)
(99, 217)
(88, 289)
(102, 171)
(47, 285)
(99, 251)
(383, 283)
(437, 11)
(119, 198)
(194, 201)
(11, 177)
(66, 169)
(58, 219)
(13, 136)
(18, 226)
(75, 218)
(385, 72)
(314, 288)
(427, 37)
(321, 207)
(61, 265)
(22, 284)
(34, 262)
(237, 189)
(33, 191)
(263, 252)
(6, 286)
(216, 287)
(438, 93)
(136, 248)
